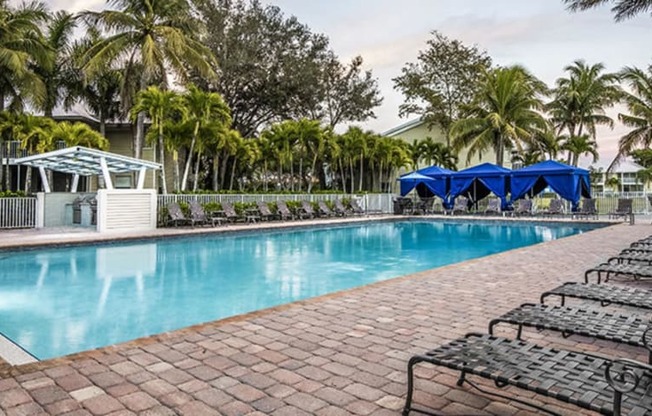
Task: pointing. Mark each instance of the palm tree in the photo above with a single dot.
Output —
(78, 134)
(203, 109)
(55, 71)
(580, 145)
(159, 105)
(579, 102)
(639, 106)
(505, 114)
(623, 9)
(21, 45)
(101, 93)
(415, 153)
(151, 37)
(35, 136)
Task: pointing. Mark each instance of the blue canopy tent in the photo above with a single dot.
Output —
(411, 180)
(479, 181)
(568, 182)
(441, 186)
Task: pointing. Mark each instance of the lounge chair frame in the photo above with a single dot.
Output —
(586, 380)
(621, 328)
(588, 209)
(264, 211)
(283, 211)
(324, 210)
(607, 270)
(524, 207)
(605, 294)
(623, 209)
(493, 207)
(175, 214)
(199, 216)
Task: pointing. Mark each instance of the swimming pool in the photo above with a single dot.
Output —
(57, 301)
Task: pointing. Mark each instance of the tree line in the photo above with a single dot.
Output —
(240, 97)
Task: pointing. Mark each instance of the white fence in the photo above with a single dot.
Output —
(369, 202)
(17, 212)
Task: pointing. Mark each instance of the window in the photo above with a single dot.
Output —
(123, 182)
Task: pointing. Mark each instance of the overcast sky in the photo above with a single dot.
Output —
(538, 34)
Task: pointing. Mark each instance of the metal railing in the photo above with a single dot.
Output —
(13, 150)
(381, 203)
(17, 212)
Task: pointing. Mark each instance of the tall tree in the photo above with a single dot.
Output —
(204, 108)
(152, 38)
(445, 78)
(639, 106)
(270, 66)
(54, 72)
(577, 146)
(579, 100)
(78, 134)
(21, 46)
(159, 106)
(622, 9)
(504, 115)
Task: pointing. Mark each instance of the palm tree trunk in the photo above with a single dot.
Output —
(352, 175)
(216, 165)
(28, 180)
(265, 176)
(186, 171)
(195, 180)
(314, 166)
(225, 159)
(343, 178)
(232, 173)
(161, 155)
(177, 173)
(140, 126)
(300, 173)
(361, 171)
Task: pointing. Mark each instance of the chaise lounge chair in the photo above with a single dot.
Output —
(324, 210)
(306, 210)
(556, 208)
(524, 207)
(628, 256)
(605, 294)
(265, 213)
(581, 379)
(356, 208)
(340, 209)
(596, 323)
(229, 212)
(283, 211)
(175, 214)
(635, 271)
(623, 209)
(588, 209)
(493, 207)
(198, 215)
(461, 205)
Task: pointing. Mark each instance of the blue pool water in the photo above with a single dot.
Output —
(62, 300)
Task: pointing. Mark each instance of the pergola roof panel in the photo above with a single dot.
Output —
(86, 162)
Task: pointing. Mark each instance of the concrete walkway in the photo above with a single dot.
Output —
(340, 354)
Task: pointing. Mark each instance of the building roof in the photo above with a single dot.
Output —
(403, 127)
(624, 166)
(86, 162)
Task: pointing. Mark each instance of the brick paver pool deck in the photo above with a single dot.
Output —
(340, 354)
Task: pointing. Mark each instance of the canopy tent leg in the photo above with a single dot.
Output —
(75, 183)
(105, 173)
(141, 178)
(44, 179)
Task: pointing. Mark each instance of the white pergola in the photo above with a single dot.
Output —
(82, 161)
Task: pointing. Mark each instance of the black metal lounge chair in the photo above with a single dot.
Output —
(264, 211)
(493, 207)
(283, 211)
(596, 323)
(626, 256)
(623, 209)
(198, 215)
(324, 210)
(605, 294)
(556, 208)
(588, 209)
(633, 270)
(524, 207)
(340, 209)
(461, 205)
(355, 206)
(229, 212)
(306, 210)
(175, 215)
(581, 379)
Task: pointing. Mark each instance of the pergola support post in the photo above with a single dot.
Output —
(141, 178)
(75, 183)
(106, 174)
(44, 179)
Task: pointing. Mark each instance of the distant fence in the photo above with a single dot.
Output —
(17, 212)
(369, 202)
